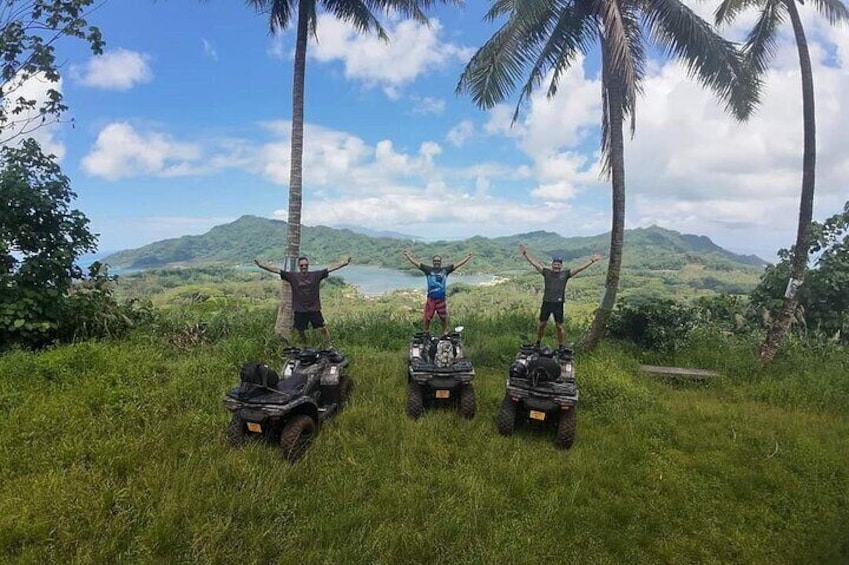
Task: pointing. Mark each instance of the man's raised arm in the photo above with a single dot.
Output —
(339, 265)
(594, 259)
(268, 268)
(531, 259)
(462, 261)
(410, 258)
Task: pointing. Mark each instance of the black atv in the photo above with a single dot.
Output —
(438, 372)
(541, 388)
(314, 387)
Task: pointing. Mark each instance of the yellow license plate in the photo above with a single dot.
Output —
(443, 394)
(537, 415)
(254, 427)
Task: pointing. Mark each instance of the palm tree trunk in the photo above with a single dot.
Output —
(779, 328)
(615, 98)
(283, 325)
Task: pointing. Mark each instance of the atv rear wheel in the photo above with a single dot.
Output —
(296, 437)
(237, 433)
(506, 420)
(415, 402)
(468, 401)
(566, 428)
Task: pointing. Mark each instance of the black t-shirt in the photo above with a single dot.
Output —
(555, 285)
(305, 296)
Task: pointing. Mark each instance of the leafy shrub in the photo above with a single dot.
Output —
(658, 324)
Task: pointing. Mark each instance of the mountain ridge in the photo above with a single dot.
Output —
(250, 237)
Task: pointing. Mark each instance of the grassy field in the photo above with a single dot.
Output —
(114, 452)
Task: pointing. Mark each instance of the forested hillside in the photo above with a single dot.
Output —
(248, 237)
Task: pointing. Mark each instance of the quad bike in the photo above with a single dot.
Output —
(314, 387)
(438, 372)
(541, 388)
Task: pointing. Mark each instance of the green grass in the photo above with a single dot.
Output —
(114, 452)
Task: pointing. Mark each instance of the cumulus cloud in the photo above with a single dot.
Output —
(460, 133)
(115, 70)
(121, 151)
(413, 50)
(427, 105)
(691, 167)
(28, 123)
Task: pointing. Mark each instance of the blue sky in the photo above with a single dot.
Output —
(183, 124)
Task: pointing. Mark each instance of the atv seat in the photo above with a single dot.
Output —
(543, 369)
(293, 384)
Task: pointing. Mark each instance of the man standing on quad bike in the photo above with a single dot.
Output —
(554, 290)
(306, 302)
(437, 278)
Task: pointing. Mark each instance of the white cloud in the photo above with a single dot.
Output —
(691, 167)
(428, 105)
(115, 70)
(28, 123)
(120, 151)
(210, 50)
(413, 50)
(460, 133)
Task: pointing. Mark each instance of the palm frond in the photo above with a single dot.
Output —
(279, 12)
(728, 10)
(833, 10)
(415, 9)
(495, 69)
(356, 13)
(500, 8)
(761, 42)
(574, 33)
(615, 17)
(713, 60)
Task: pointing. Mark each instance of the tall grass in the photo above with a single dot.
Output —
(114, 452)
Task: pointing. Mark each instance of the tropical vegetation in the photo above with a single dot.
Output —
(540, 40)
(361, 14)
(759, 50)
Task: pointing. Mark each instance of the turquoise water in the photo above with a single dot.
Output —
(374, 281)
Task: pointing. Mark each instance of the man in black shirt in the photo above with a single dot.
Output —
(554, 290)
(306, 302)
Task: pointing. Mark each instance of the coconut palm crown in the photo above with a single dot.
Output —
(541, 39)
(759, 49)
(361, 15)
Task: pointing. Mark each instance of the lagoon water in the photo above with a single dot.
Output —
(375, 281)
(369, 280)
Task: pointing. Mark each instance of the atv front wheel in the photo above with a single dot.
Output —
(506, 420)
(296, 437)
(566, 428)
(346, 385)
(415, 402)
(467, 401)
(237, 433)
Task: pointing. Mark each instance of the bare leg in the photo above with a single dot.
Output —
(559, 334)
(540, 331)
(445, 325)
(303, 337)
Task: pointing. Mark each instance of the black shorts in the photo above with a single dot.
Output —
(303, 319)
(551, 308)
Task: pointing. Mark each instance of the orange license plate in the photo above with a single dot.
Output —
(537, 415)
(254, 427)
(443, 394)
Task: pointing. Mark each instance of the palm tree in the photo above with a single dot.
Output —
(759, 49)
(361, 15)
(542, 38)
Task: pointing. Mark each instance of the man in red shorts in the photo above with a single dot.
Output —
(437, 278)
